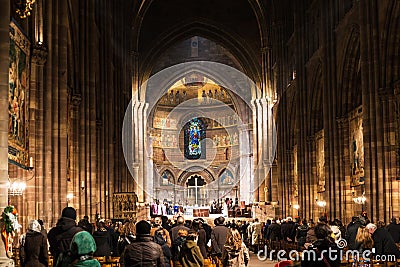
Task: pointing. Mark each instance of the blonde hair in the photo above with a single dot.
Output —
(364, 238)
(182, 232)
(234, 239)
(129, 228)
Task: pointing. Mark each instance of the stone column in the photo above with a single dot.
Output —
(4, 60)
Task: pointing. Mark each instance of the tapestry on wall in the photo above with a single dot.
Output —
(356, 149)
(320, 159)
(18, 95)
(295, 184)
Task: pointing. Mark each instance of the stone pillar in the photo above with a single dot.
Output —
(4, 60)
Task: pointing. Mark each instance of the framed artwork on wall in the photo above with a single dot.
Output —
(18, 97)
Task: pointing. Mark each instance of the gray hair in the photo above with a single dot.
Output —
(371, 226)
(34, 226)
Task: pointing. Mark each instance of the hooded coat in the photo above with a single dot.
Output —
(34, 247)
(82, 248)
(60, 237)
(190, 255)
(232, 257)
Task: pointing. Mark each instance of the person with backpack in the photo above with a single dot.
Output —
(190, 255)
(177, 246)
(201, 240)
(60, 236)
(235, 253)
(159, 238)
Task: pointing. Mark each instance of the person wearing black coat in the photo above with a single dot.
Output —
(33, 249)
(201, 239)
(143, 251)
(351, 233)
(383, 241)
(322, 248)
(103, 240)
(274, 231)
(301, 233)
(394, 230)
(289, 230)
(159, 239)
(60, 236)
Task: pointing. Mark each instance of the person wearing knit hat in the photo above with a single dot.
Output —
(33, 246)
(69, 212)
(61, 235)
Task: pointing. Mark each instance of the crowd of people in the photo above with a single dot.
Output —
(160, 241)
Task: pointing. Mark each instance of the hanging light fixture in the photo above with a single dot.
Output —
(360, 200)
(24, 7)
(16, 188)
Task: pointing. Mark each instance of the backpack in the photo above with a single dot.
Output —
(177, 247)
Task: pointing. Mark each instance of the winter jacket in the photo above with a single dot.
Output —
(351, 234)
(143, 252)
(288, 231)
(301, 234)
(60, 237)
(274, 232)
(384, 244)
(35, 250)
(218, 239)
(103, 242)
(190, 255)
(394, 231)
(235, 258)
(321, 247)
(159, 239)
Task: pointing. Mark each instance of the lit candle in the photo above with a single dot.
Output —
(30, 162)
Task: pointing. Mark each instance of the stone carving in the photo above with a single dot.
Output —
(125, 205)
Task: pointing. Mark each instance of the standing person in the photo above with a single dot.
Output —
(33, 248)
(86, 225)
(159, 238)
(394, 230)
(255, 234)
(61, 235)
(157, 226)
(301, 233)
(274, 231)
(179, 226)
(201, 240)
(103, 240)
(143, 252)
(127, 236)
(177, 247)
(190, 255)
(218, 239)
(82, 248)
(289, 230)
(235, 252)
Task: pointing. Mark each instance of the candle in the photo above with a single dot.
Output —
(30, 162)
(83, 184)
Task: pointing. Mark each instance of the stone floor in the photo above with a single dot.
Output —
(255, 262)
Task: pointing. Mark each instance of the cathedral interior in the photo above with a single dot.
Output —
(288, 107)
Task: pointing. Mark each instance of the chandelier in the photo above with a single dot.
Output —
(360, 200)
(16, 188)
(321, 203)
(24, 7)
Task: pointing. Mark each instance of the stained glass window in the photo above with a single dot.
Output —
(194, 133)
